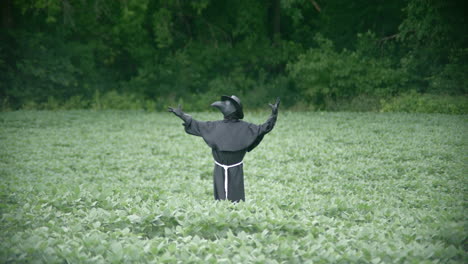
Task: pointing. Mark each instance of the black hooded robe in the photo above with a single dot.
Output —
(229, 141)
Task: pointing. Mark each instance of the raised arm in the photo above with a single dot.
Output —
(270, 123)
(267, 126)
(179, 113)
(192, 126)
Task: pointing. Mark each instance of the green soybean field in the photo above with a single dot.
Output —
(132, 187)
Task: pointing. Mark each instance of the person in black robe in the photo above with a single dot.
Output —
(229, 140)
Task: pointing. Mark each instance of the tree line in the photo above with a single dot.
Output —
(311, 53)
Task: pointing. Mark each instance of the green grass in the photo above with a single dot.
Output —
(130, 186)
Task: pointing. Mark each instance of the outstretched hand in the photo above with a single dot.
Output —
(275, 106)
(177, 111)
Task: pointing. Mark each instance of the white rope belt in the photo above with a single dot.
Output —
(226, 167)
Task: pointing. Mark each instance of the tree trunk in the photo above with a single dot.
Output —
(316, 5)
(276, 20)
(7, 13)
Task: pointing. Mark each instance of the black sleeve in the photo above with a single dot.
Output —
(263, 130)
(269, 124)
(197, 128)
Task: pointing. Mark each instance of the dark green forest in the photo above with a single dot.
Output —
(360, 55)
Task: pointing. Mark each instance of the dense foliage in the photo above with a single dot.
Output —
(132, 187)
(311, 53)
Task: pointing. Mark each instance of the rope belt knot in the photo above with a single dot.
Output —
(226, 167)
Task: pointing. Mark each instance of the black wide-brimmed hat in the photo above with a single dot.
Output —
(237, 102)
